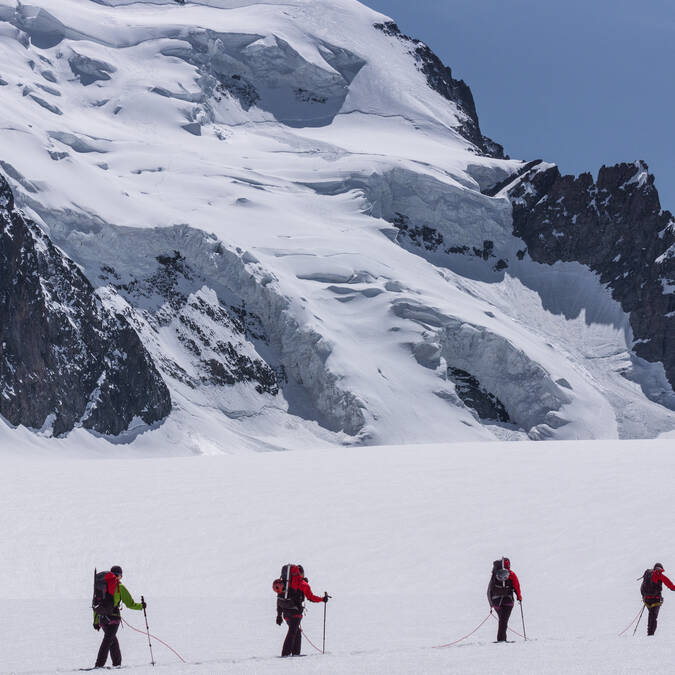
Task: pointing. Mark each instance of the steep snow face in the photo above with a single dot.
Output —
(291, 203)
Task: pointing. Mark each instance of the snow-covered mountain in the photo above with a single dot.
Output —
(294, 208)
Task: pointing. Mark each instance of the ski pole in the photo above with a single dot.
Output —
(147, 628)
(639, 618)
(522, 617)
(325, 602)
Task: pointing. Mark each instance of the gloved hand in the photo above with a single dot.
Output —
(97, 626)
(325, 597)
(279, 620)
(144, 604)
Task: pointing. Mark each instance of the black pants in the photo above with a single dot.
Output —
(293, 640)
(503, 613)
(109, 644)
(651, 622)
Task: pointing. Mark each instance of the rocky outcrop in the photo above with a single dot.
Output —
(615, 226)
(211, 343)
(65, 361)
(439, 78)
(485, 404)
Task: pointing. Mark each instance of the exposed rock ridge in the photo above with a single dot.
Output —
(498, 187)
(439, 77)
(65, 361)
(616, 226)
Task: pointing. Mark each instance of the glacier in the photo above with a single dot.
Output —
(294, 207)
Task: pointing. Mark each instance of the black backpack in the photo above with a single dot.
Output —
(292, 598)
(649, 588)
(102, 602)
(501, 585)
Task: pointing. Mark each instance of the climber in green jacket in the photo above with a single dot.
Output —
(108, 593)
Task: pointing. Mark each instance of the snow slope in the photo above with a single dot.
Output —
(402, 537)
(271, 145)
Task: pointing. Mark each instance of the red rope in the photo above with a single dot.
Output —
(466, 636)
(310, 642)
(631, 623)
(154, 637)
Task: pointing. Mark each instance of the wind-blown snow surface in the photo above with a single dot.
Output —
(265, 143)
(402, 537)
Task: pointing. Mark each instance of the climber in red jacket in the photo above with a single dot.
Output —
(652, 585)
(503, 584)
(290, 606)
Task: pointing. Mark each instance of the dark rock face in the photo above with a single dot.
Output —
(64, 360)
(430, 239)
(614, 225)
(214, 336)
(439, 77)
(476, 397)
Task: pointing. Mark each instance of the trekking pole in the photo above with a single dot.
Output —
(147, 628)
(325, 602)
(522, 617)
(639, 618)
(635, 618)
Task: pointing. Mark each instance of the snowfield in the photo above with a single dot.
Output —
(402, 537)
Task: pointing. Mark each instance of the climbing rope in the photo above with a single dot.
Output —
(154, 637)
(310, 642)
(632, 622)
(466, 636)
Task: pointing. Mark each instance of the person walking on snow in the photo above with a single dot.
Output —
(503, 584)
(652, 585)
(290, 607)
(110, 622)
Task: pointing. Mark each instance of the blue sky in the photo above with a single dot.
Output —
(578, 83)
